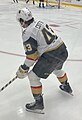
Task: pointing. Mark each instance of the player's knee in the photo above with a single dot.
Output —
(59, 73)
(34, 79)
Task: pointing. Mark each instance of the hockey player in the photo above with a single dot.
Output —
(33, 1)
(41, 3)
(46, 52)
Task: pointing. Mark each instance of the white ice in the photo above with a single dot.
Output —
(67, 22)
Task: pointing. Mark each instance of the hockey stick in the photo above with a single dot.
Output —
(8, 83)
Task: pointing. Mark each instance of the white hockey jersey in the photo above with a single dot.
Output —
(38, 38)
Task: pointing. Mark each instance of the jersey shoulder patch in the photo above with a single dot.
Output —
(30, 46)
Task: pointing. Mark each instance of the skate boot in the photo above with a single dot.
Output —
(27, 1)
(33, 2)
(66, 87)
(17, 1)
(39, 5)
(37, 106)
(43, 5)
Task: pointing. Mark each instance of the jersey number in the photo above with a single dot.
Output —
(28, 47)
(48, 34)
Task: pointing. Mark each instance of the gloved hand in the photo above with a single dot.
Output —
(22, 71)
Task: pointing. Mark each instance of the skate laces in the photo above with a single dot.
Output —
(32, 104)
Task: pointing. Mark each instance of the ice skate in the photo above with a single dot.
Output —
(43, 5)
(36, 107)
(66, 88)
(33, 2)
(39, 5)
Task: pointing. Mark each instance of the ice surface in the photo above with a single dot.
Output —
(67, 22)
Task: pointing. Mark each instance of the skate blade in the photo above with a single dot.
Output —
(71, 94)
(68, 93)
(36, 111)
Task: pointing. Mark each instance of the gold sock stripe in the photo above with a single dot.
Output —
(62, 78)
(36, 89)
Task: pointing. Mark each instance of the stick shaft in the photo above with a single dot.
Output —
(6, 85)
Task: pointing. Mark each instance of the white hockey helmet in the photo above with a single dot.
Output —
(24, 14)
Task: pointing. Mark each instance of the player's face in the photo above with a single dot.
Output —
(23, 23)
